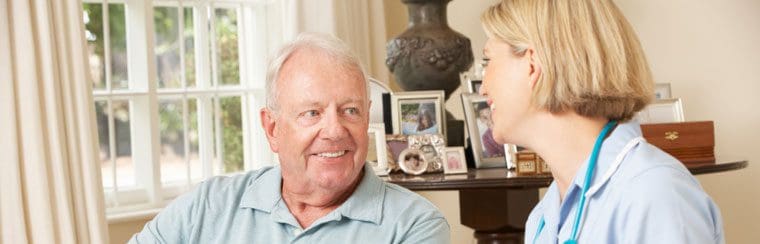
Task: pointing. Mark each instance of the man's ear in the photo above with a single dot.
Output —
(268, 123)
(535, 66)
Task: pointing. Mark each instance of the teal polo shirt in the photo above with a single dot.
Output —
(248, 208)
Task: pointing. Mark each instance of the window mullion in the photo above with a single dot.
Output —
(186, 139)
(106, 45)
(181, 38)
(218, 134)
(203, 82)
(205, 139)
(142, 75)
(213, 48)
(112, 149)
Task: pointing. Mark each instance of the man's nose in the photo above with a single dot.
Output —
(334, 128)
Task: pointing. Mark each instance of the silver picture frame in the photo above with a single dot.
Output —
(484, 157)
(662, 111)
(406, 105)
(471, 82)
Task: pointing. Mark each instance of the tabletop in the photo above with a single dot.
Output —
(503, 178)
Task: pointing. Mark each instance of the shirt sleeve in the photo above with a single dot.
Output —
(664, 205)
(173, 223)
(434, 231)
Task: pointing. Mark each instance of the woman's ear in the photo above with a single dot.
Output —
(535, 66)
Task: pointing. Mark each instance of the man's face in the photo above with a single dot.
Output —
(320, 128)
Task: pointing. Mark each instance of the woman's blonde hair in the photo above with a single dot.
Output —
(592, 62)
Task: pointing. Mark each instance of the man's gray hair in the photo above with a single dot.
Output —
(333, 47)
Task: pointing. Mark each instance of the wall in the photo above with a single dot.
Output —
(708, 50)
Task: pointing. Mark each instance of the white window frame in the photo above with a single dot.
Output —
(144, 96)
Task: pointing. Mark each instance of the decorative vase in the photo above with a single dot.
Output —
(429, 55)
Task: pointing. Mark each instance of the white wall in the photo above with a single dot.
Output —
(709, 50)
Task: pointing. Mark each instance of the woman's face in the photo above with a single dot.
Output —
(507, 84)
(485, 114)
(425, 121)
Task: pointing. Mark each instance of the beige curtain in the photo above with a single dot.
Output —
(359, 23)
(50, 185)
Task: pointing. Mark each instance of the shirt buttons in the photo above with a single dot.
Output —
(297, 231)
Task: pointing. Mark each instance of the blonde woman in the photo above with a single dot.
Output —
(564, 78)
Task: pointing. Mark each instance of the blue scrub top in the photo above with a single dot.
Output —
(650, 198)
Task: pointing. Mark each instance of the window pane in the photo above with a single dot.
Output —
(173, 168)
(227, 46)
(189, 37)
(232, 134)
(93, 25)
(118, 39)
(104, 151)
(166, 24)
(125, 169)
(195, 162)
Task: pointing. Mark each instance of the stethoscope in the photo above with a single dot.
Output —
(589, 172)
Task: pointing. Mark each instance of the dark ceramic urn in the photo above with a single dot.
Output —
(429, 55)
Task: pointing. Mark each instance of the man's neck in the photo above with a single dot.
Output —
(565, 141)
(309, 202)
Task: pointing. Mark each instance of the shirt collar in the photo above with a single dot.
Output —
(364, 204)
(611, 147)
(263, 192)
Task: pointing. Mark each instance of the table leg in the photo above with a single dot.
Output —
(497, 215)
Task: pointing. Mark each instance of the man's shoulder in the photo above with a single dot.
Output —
(398, 197)
(223, 189)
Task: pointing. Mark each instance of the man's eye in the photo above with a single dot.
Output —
(311, 113)
(351, 111)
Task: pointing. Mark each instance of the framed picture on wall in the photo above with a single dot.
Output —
(418, 113)
(662, 91)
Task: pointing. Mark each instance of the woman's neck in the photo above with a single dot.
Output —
(565, 142)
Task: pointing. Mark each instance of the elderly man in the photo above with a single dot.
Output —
(316, 119)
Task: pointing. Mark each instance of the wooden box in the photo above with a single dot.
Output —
(689, 142)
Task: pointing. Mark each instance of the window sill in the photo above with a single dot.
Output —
(122, 217)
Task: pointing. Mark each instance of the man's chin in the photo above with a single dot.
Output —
(335, 179)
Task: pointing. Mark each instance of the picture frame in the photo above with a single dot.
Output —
(412, 161)
(433, 148)
(662, 111)
(395, 144)
(471, 82)
(454, 162)
(376, 91)
(510, 155)
(486, 152)
(410, 111)
(376, 152)
(662, 91)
